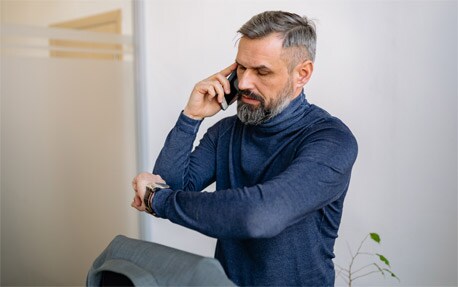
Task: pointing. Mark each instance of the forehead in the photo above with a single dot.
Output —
(265, 51)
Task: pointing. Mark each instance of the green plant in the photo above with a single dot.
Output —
(352, 273)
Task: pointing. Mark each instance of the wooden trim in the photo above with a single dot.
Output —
(109, 22)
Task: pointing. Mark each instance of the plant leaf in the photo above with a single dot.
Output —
(380, 269)
(383, 258)
(392, 274)
(375, 237)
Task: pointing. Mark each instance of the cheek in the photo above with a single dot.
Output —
(269, 89)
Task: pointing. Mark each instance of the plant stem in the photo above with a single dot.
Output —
(340, 267)
(364, 267)
(343, 278)
(375, 271)
(350, 279)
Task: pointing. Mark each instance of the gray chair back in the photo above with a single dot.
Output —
(151, 264)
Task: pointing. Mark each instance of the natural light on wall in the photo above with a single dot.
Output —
(68, 137)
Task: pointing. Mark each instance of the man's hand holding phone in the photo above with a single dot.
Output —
(208, 95)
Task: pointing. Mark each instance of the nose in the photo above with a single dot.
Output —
(246, 80)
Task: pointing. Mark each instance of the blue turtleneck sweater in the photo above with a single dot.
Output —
(280, 188)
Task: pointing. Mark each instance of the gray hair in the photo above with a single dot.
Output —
(298, 33)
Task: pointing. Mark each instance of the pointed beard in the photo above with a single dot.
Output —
(256, 115)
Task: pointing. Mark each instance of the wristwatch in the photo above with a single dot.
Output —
(151, 189)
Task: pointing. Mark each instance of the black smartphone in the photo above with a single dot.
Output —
(232, 96)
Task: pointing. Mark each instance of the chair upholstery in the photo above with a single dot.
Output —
(151, 264)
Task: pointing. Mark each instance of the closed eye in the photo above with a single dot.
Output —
(262, 72)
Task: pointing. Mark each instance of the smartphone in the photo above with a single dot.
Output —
(232, 96)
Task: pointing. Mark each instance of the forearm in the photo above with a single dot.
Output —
(260, 211)
(176, 163)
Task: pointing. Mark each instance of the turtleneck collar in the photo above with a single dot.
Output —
(289, 116)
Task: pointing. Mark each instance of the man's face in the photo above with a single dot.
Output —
(263, 80)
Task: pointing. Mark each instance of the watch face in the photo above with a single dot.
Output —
(159, 185)
(162, 185)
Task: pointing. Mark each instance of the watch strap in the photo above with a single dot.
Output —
(149, 196)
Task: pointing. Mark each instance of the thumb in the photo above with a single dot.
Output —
(137, 201)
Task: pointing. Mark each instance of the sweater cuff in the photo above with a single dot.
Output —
(188, 125)
(159, 201)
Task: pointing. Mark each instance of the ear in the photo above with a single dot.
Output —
(303, 73)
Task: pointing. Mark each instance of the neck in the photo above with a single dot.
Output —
(297, 92)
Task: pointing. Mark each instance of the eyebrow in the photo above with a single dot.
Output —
(260, 67)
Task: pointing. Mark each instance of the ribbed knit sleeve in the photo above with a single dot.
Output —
(317, 175)
(176, 164)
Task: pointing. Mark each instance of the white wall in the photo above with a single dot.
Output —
(386, 68)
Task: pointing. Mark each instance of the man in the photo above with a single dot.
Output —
(282, 166)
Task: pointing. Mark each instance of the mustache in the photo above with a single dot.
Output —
(251, 95)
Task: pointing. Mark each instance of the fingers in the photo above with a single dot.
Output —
(225, 85)
(137, 203)
(222, 78)
(137, 207)
(218, 85)
(146, 177)
(210, 87)
(207, 95)
(139, 184)
(221, 85)
(227, 71)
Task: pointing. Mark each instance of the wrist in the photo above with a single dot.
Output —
(192, 116)
(150, 193)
